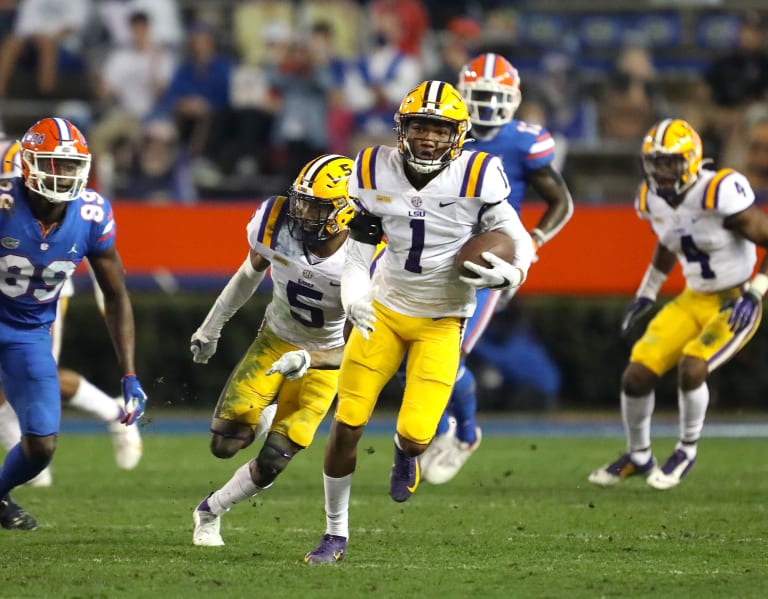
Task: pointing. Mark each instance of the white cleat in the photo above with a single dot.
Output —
(672, 472)
(265, 420)
(448, 464)
(43, 479)
(207, 529)
(439, 445)
(126, 441)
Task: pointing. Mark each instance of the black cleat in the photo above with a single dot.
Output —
(13, 516)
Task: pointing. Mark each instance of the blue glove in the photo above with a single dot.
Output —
(135, 399)
(744, 309)
(639, 307)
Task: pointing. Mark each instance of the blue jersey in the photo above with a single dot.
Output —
(35, 264)
(522, 148)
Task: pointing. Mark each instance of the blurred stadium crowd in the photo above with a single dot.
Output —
(186, 100)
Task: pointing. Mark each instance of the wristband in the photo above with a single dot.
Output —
(759, 284)
(538, 237)
(651, 283)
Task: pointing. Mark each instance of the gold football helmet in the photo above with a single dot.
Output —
(672, 158)
(432, 102)
(319, 205)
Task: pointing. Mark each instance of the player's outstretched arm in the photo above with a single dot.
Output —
(118, 315)
(237, 291)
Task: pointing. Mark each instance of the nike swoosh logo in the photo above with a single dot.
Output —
(337, 554)
(417, 479)
(444, 204)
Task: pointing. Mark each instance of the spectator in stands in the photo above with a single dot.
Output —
(198, 100)
(377, 83)
(157, 172)
(412, 23)
(52, 31)
(737, 79)
(568, 111)
(344, 18)
(164, 17)
(148, 67)
(458, 44)
(255, 23)
(302, 82)
(632, 100)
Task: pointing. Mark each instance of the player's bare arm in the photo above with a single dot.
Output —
(118, 314)
(551, 187)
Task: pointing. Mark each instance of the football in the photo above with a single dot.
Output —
(495, 242)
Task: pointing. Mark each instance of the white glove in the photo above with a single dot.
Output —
(501, 275)
(292, 365)
(202, 347)
(362, 315)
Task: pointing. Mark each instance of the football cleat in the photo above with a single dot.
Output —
(672, 472)
(43, 479)
(439, 444)
(126, 441)
(405, 477)
(207, 531)
(448, 464)
(15, 517)
(330, 550)
(622, 468)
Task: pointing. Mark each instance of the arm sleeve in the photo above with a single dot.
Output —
(355, 275)
(238, 290)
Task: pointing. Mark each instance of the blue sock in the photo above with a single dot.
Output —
(463, 404)
(17, 469)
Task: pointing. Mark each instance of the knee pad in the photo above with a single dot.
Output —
(272, 459)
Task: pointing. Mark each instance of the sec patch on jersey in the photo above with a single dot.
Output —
(495, 242)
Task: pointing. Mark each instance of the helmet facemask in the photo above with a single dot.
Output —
(58, 176)
(441, 133)
(312, 219)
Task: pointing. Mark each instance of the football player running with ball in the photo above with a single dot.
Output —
(709, 223)
(426, 197)
(49, 222)
(490, 86)
(296, 355)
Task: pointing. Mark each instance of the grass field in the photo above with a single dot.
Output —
(519, 521)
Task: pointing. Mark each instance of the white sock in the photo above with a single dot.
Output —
(10, 432)
(693, 407)
(92, 400)
(636, 414)
(235, 490)
(337, 504)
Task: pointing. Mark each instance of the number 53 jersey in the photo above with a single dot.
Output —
(35, 264)
(712, 257)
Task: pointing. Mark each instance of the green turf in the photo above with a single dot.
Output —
(519, 521)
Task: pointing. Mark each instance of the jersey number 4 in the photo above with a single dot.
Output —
(694, 254)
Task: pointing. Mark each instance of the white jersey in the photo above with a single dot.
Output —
(306, 305)
(425, 228)
(712, 257)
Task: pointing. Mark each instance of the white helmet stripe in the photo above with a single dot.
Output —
(661, 131)
(316, 166)
(434, 91)
(490, 66)
(64, 134)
